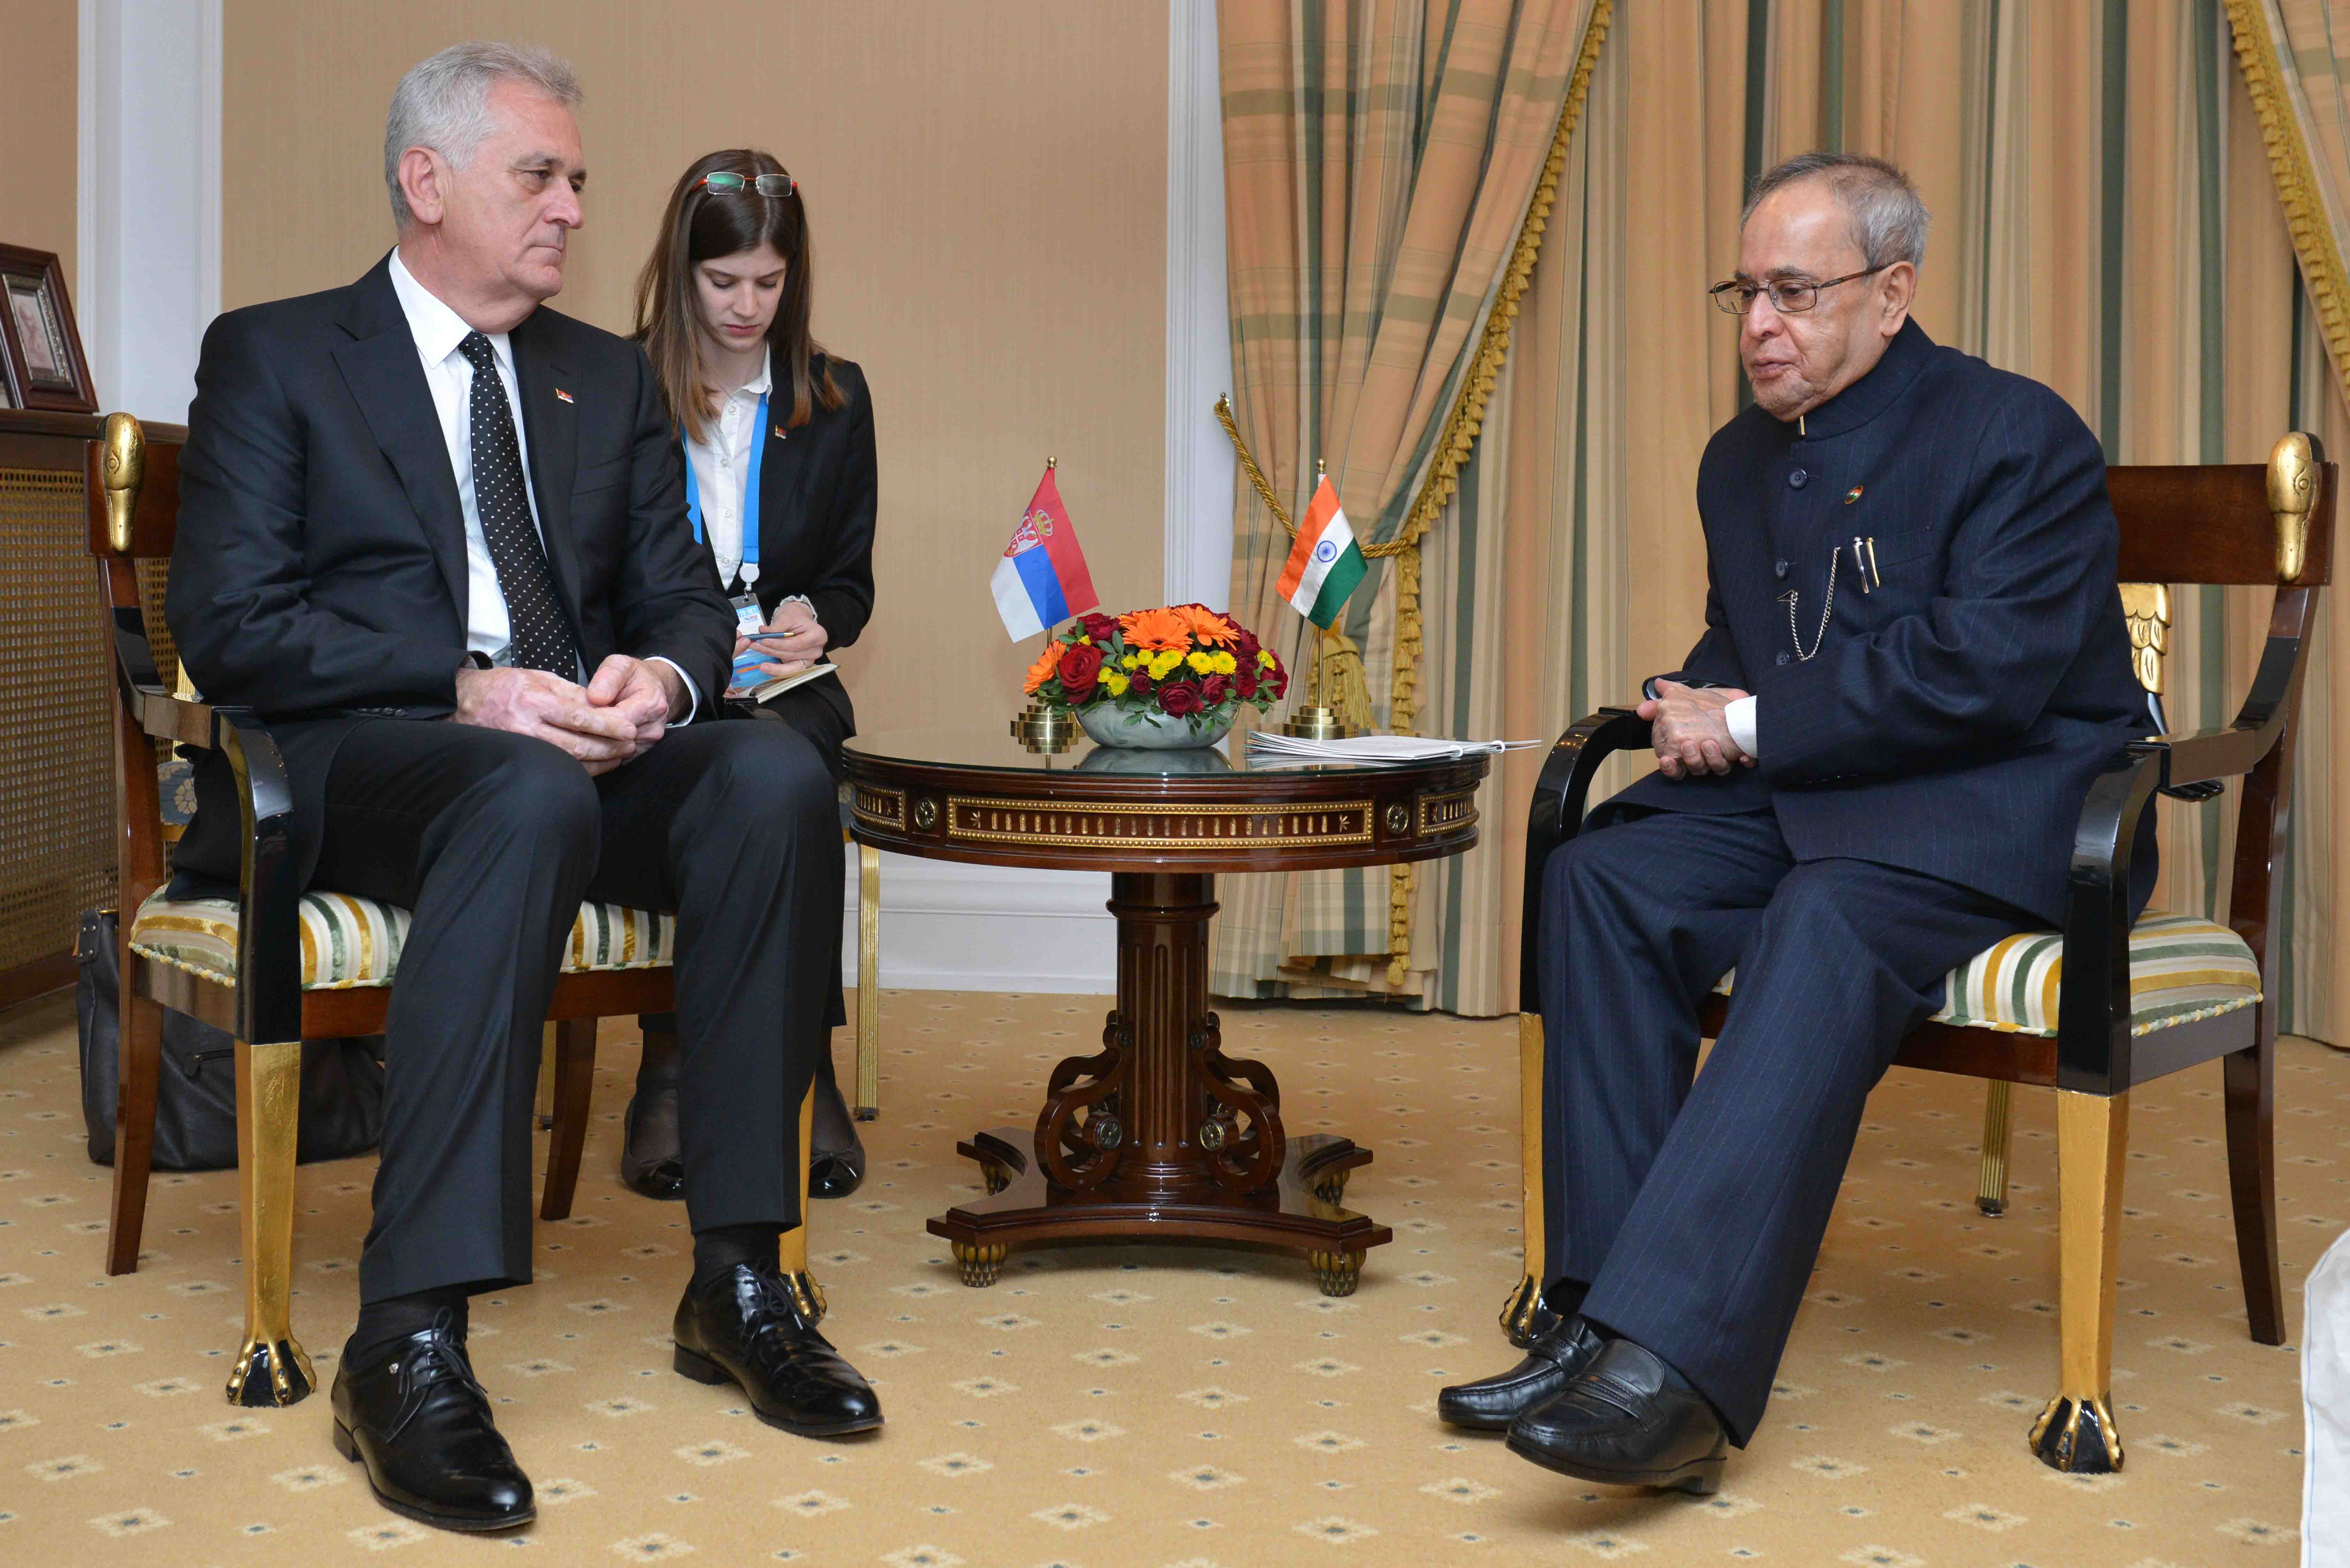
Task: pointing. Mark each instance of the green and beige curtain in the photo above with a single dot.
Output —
(2106, 219)
(1382, 160)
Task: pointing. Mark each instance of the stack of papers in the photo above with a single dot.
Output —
(1273, 745)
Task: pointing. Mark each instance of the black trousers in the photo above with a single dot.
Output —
(1694, 1214)
(492, 840)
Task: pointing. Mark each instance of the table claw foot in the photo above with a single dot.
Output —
(980, 1262)
(271, 1372)
(2077, 1436)
(1337, 1272)
(1525, 1318)
(996, 1175)
(1331, 1188)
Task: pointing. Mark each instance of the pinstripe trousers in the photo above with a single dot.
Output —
(1689, 1213)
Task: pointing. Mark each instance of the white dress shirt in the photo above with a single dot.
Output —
(1739, 717)
(722, 468)
(438, 331)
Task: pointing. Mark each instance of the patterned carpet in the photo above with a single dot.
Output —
(1114, 1406)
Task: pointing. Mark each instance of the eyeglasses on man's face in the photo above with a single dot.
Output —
(1789, 295)
(726, 184)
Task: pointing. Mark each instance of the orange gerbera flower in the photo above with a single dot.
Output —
(1048, 663)
(1208, 626)
(1156, 631)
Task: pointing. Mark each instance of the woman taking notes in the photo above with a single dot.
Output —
(778, 444)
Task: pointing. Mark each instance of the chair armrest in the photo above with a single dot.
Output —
(2193, 756)
(1557, 813)
(269, 938)
(2093, 1018)
(151, 704)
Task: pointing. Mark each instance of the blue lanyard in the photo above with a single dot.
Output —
(750, 491)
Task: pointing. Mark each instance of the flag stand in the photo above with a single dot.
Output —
(1043, 729)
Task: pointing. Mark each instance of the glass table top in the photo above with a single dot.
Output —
(994, 749)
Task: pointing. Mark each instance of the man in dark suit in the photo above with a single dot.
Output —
(1868, 770)
(435, 536)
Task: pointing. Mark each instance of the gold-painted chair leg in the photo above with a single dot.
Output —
(2076, 1431)
(791, 1252)
(546, 1058)
(868, 982)
(1524, 1315)
(272, 1368)
(1990, 1191)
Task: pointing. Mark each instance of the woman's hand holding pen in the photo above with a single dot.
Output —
(793, 637)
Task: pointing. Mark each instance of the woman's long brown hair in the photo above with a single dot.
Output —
(700, 226)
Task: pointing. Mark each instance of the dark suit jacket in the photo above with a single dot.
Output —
(1952, 718)
(319, 572)
(817, 496)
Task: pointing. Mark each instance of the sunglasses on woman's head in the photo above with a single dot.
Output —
(776, 186)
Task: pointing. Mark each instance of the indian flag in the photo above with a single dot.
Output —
(1326, 563)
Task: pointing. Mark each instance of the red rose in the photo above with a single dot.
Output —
(1080, 671)
(1275, 681)
(1244, 647)
(1213, 688)
(1099, 626)
(1177, 698)
(1246, 681)
(1141, 684)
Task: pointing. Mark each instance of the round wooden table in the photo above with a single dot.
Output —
(1160, 1133)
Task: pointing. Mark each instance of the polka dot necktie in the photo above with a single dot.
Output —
(541, 637)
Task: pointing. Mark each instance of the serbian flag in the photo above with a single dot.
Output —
(1325, 563)
(1041, 580)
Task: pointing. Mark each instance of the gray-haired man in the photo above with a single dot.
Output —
(435, 536)
(1870, 767)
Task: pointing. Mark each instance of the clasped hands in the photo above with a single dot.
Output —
(1690, 733)
(614, 719)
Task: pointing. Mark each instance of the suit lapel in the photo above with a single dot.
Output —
(552, 423)
(379, 366)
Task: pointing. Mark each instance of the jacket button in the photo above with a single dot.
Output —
(1798, 479)
(1786, 658)
(1779, 568)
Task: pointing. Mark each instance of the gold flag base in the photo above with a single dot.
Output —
(1313, 723)
(1043, 729)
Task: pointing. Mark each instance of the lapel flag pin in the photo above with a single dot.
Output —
(781, 434)
(1854, 494)
(567, 397)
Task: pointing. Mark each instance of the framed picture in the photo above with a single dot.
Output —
(41, 362)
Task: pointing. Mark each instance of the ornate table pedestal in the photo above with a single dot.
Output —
(1159, 1133)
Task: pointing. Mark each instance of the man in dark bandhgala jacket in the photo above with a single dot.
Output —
(434, 534)
(1869, 769)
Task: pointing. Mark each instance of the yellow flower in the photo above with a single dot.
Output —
(1116, 682)
(1263, 659)
(1200, 663)
(1225, 663)
(1164, 664)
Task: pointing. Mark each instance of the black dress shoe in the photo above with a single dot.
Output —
(836, 1155)
(1491, 1404)
(421, 1426)
(744, 1327)
(1621, 1421)
(836, 1175)
(649, 1158)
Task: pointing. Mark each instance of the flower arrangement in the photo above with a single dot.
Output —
(1182, 662)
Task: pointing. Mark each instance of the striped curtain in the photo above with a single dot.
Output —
(1381, 159)
(2105, 220)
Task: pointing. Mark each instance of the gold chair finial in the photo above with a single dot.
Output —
(125, 472)
(2292, 490)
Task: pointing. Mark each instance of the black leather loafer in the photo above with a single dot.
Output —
(836, 1155)
(1621, 1421)
(1491, 1404)
(422, 1425)
(649, 1158)
(836, 1175)
(744, 1327)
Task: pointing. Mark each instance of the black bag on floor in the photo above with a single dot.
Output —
(195, 1100)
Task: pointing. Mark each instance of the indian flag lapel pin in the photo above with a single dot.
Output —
(1854, 494)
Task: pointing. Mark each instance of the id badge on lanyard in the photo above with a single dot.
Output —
(748, 622)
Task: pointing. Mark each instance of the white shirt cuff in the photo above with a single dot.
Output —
(801, 600)
(693, 692)
(1740, 717)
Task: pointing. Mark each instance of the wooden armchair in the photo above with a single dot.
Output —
(2101, 1007)
(280, 964)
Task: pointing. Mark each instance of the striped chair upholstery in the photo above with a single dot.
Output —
(350, 942)
(2182, 969)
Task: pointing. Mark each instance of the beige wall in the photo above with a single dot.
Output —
(986, 185)
(37, 47)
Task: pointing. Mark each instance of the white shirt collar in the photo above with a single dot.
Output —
(758, 386)
(436, 328)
